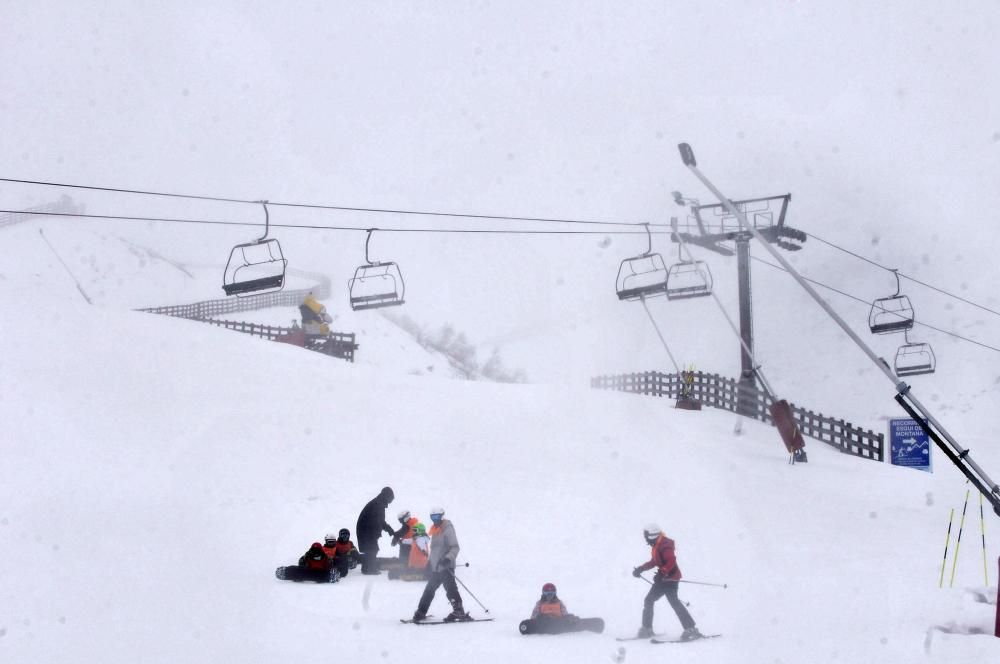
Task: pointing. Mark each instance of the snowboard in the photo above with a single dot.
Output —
(296, 573)
(407, 574)
(561, 625)
(703, 636)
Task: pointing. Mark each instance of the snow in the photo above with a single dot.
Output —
(155, 470)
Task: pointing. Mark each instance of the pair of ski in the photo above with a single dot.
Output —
(657, 640)
(443, 622)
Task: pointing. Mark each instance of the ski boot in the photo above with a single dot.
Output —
(458, 615)
(644, 633)
(690, 634)
(280, 573)
(334, 575)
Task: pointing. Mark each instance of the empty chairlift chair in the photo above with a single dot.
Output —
(914, 359)
(376, 284)
(891, 314)
(688, 278)
(642, 276)
(255, 267)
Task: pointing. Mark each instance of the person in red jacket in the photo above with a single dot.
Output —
(664, 583)
(340, 549)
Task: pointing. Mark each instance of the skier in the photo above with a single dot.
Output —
(404, 536)
(551, 617)
(341, 551)
(664, 583)
(441, 569)
(371, 523)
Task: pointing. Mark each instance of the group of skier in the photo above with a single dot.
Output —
(432, 555)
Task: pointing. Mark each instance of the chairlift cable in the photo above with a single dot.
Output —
(904, 276)
(318, 206)
(867, 303)
(176, 220)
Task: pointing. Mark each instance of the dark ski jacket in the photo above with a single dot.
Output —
(663, 560)
(371, 521)
(315, 558)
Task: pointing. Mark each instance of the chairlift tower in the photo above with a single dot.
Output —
(708, 226)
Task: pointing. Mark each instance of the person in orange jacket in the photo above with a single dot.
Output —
(340, 549)
(664, 583)
(404, 536)
(421, 548)
(549, 606)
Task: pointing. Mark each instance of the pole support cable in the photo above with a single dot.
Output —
(660, 334)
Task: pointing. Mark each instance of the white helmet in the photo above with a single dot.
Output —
(437, 510)
(330, 537)
(403, 516)
(650, 533)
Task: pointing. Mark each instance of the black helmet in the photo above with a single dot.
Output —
(344, 535)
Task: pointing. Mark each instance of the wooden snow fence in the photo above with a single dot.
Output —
(728, 394)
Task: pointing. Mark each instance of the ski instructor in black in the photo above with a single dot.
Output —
(371, 524)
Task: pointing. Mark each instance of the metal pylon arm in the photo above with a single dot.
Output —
(958, 454)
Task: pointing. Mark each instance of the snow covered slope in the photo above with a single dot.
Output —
(157, 470)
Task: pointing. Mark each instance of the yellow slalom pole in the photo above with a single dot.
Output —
(982, 529)
(958, 541)
(947, 540)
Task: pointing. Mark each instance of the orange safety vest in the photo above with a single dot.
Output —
(417, 559)
(553, 609)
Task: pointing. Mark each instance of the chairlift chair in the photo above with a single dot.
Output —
(891, 314)
(376, 284)
(688, 278)
(642, 276)
(914, 359)
(255, 267)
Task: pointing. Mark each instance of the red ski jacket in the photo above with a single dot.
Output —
(663, 559)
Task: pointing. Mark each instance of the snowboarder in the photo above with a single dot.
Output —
(551, 617)
(404, 536)
(340, 549)
(314, 565)
(664, 583)
(371, 524)
(441, 569)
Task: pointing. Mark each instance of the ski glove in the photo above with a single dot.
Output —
(636, 572)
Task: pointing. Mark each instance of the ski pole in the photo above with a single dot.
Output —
(958, 541)
(651, 583)
(471, 594)
(982, 530)
(947, 539)
(700, 583)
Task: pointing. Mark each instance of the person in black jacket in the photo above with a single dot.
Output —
(371, 524)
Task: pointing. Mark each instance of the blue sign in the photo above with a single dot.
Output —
(909, 444)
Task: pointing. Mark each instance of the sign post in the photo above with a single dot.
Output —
(909, 444)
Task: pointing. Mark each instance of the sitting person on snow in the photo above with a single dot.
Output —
(315, 560)
(340, 549)
(549, 606)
